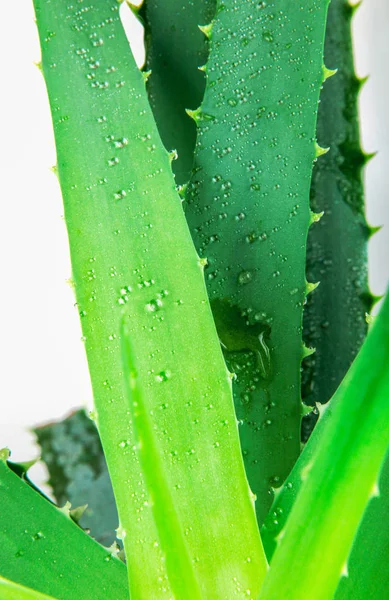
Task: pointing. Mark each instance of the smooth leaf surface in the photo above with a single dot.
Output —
(13, 591)
(368, 573)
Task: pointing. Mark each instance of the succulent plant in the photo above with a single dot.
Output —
(201, 213)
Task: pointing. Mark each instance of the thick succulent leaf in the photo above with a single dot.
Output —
(334, 318)
(367, 567)
(42, 548)
(248, 210)
(316, 515)
(13, 591)
(132, 254)
(179, 564)
(72, 451)
(175, 48)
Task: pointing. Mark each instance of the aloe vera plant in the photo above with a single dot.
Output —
(191, 300)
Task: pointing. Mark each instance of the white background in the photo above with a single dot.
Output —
(43, 367)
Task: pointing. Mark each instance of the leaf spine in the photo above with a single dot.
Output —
(310, 287)
(315, 217)
(374, 229)
(306, 409)
(77, 512)
(5, 454)
(319, 151)
(146, 75)
(65, 509)
(206, 30)
(134, 8)
(306, 351)
(173, 155)
(194, 114)
(375, 492)
(368, 156)
(327, 73)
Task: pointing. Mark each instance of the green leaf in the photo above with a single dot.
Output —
(72, 451)
(42, 548)
(316, 515)
(179, 564)
(131, 253)
(175, 49)
(368, 574)
(334, 318)
(248, 210)
(13, 591)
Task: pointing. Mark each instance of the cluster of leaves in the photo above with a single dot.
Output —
(190, 270)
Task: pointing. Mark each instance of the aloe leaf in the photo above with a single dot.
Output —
(131, 251)
(367, 567)
(175, 49)
(334, 318)
(13, 591)
(179, 565)
(42, 548)
(334, 479)
(248, 210)
(368, 575)
(72, 451)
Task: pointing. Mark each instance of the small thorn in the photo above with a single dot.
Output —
(344, 571)
(203, 68)
(281, 534)
(93, 416)
(307, 351)
(368, 156)
(65, 509)
(181, 189)
(194, 114)
(39, 65)
(362, 81)
(54, 169)
(327, 73)
(135, 9)
(207, 30)
(375, 492)
(76, 513)
(146, 75)
(319, 151)
(276, 492)
(120, 533)
(315, 217)
(373, 230)
(5, 453)
(375, 299)
(23, 467)
(369, 318)
(309, 287)
(173, 156)
(231, 375)
(113, 549)
(203, 262)
(354, 7)
(71, 283)
(306, 410)
(321, 408)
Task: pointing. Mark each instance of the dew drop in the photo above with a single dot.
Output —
(245, 277)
